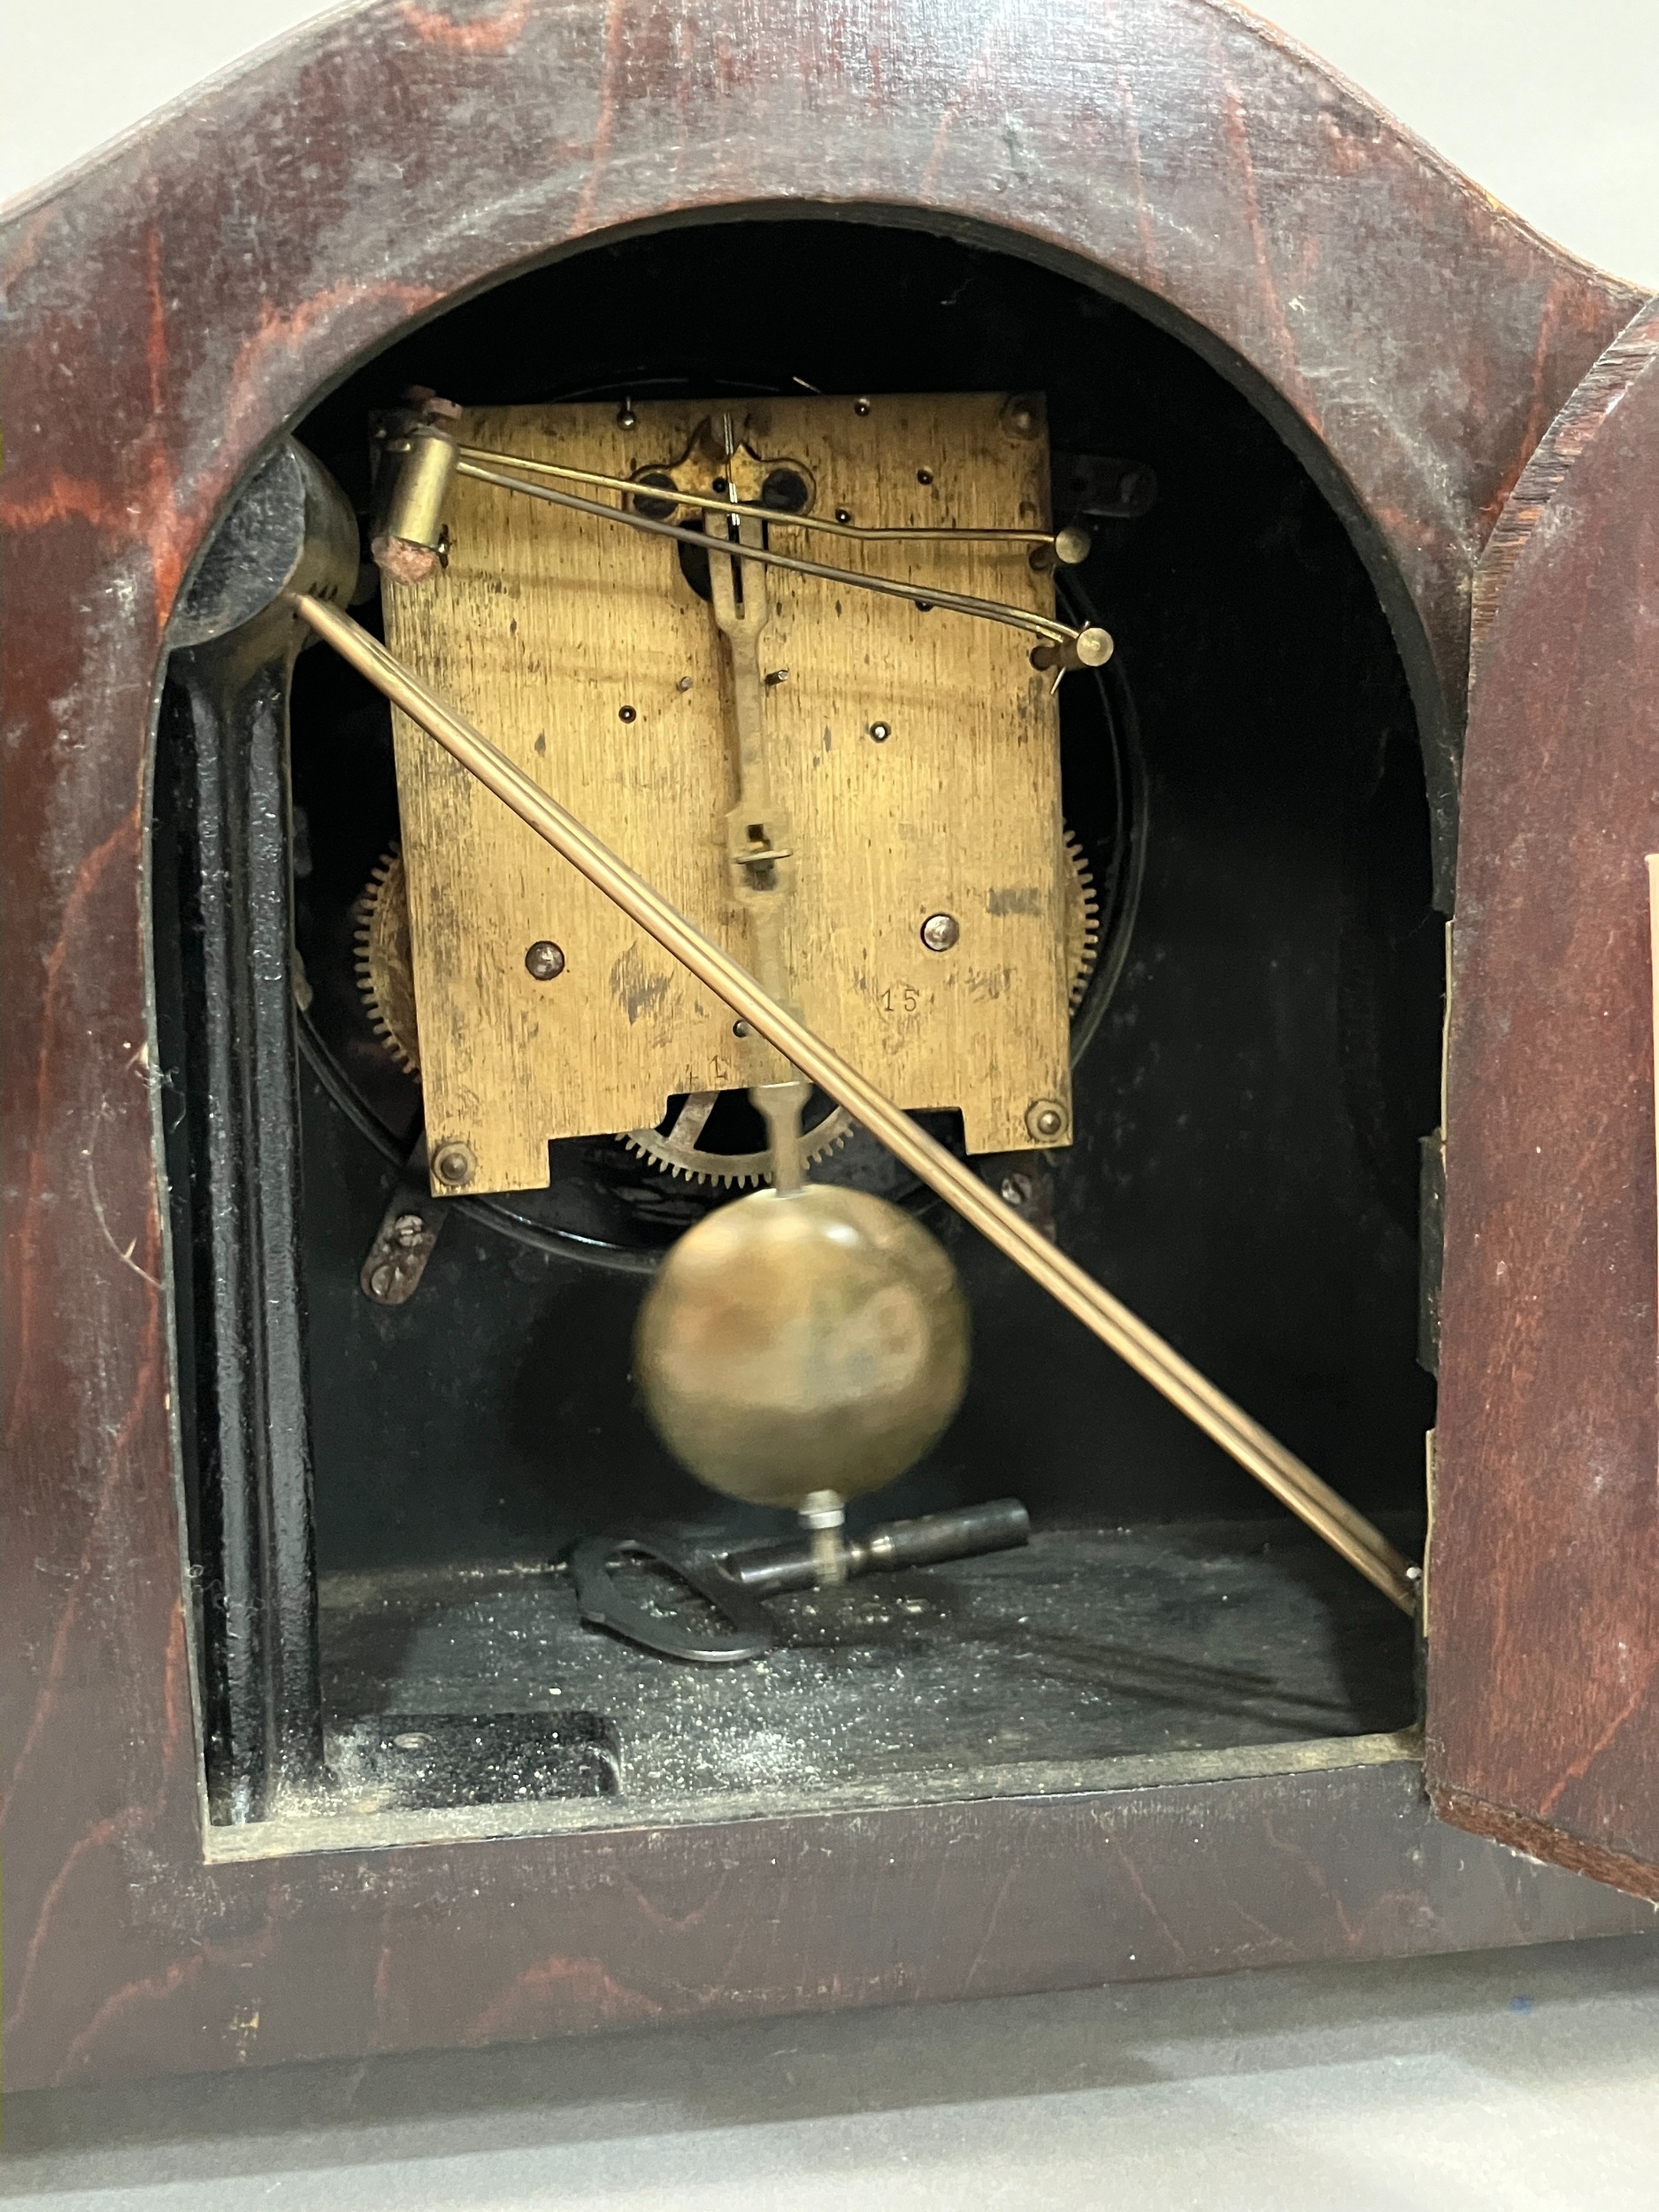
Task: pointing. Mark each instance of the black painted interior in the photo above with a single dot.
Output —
(1256, 1065)
(1250, 1101)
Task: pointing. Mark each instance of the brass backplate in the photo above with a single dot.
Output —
(584, 651)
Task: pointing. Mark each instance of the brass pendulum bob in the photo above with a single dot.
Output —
(801, 1343)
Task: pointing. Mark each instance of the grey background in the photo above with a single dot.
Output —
(1520, 2082)
(1552, 105)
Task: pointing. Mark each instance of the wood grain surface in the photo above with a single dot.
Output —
(171, 308)
(1544, 1571)
(581, 647)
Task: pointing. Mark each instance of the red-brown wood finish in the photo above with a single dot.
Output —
(1544, 1576)
(171, 307)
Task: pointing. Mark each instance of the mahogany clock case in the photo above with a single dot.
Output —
(1264, 786)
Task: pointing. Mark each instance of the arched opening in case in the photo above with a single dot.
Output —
(1255, 1048)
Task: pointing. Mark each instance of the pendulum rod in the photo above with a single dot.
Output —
(759, 846)
(1295, 1486)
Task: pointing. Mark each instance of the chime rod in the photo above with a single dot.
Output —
(1261, 1454)
(1092, 646)
(1069, 546)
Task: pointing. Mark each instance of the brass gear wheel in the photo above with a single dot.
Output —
(1081, 924)
(676, 1148)
(386, 975)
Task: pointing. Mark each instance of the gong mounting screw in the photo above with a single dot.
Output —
(454, 1164)
(545, 960)
(939, 932)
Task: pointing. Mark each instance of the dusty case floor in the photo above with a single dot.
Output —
(1088, 1644)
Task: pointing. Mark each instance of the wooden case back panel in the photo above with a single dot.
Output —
(581, 647)
(1543, 1582)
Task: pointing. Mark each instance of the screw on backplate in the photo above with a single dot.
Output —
(408, 1230)
(545, 960)
(1044, 1117)
(382, 1281)
(454, 1164)
(1020, 417)
(880, 732)
(939, 932)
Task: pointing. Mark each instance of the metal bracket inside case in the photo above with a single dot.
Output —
(395, 1263)
(420, 1762)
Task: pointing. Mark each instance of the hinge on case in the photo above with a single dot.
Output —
(1431, 1244)
(1431, 1205)
(1424, 1571)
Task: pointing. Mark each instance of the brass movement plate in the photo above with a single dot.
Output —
(583, 650)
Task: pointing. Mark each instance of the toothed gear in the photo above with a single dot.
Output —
(676, 1148)
(386, 975)
(1082, 923)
